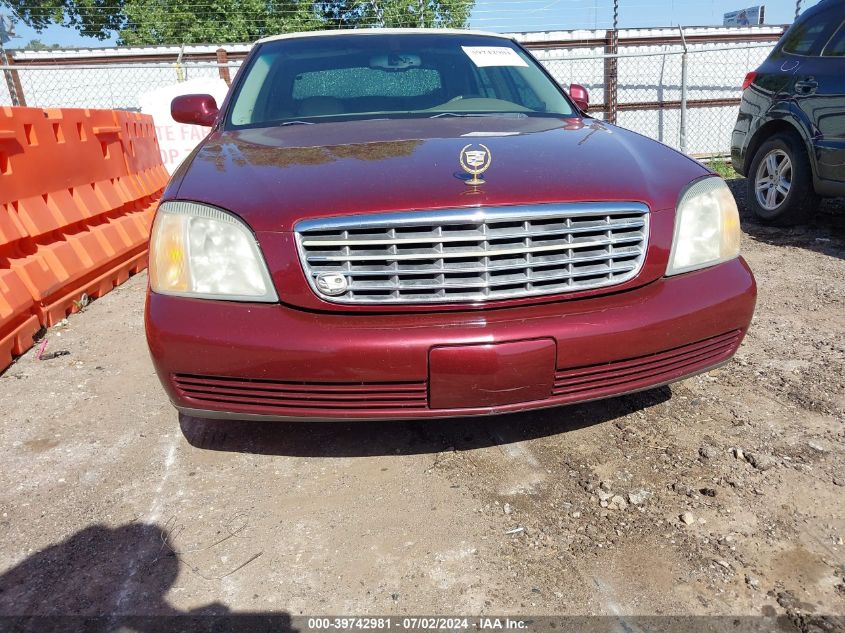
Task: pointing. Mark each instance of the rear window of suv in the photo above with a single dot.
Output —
(802, 37)
(809, 34)
(836, 46)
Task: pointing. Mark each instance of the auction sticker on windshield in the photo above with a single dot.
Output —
(483, 56)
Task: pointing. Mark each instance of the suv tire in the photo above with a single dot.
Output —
(780, 182)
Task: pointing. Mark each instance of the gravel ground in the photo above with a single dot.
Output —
(722, 494)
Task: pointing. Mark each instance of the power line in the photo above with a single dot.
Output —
(503, 15)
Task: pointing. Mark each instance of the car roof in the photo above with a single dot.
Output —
(824, 5)
(369, 31)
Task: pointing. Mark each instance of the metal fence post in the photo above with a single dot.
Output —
(222, 59)
(13, 80)
(611, 75)
(611, 67)
(683, 125)
(180, 70)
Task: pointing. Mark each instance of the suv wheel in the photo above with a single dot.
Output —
(780, 182)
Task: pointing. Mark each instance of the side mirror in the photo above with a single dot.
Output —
(194, 109)
(580, 96)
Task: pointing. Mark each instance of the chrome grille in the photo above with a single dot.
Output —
(479, 254)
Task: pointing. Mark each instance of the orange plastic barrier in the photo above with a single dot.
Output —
(77, 192)
(18, 321)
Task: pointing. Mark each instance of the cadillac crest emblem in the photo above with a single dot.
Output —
(475, 160)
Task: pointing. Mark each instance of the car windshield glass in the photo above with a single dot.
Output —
(337, 77)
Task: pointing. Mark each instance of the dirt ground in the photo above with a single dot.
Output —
(111, 504)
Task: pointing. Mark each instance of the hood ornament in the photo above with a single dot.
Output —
(475, 160)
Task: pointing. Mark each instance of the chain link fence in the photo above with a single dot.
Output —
(112, 86)
(685, 96)
(685, 99)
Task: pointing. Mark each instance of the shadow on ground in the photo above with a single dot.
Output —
(392, 437)
(824, 233)
(111, 579)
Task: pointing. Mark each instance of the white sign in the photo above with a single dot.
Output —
(745, 17)
(483, 56)
(177, 140)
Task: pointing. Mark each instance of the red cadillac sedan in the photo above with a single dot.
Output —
(417, 224)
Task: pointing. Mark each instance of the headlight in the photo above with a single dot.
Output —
(706, 227)
(201, 251)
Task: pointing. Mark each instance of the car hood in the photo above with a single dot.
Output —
(274, 177)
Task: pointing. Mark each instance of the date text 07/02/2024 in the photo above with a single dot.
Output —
(416, 623)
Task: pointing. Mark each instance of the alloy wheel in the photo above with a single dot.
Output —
(773, 179)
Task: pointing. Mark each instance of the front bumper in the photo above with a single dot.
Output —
(226, 359)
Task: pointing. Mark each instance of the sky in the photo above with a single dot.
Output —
(536, 15)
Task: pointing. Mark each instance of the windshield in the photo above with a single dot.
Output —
(337, 77)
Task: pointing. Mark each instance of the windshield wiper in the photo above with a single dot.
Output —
(296, 123)
(516, 115)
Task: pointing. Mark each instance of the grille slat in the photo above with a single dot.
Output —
(438, 239)
(246, 393)
(311, 405)
(485, 250)
(524, 278)
(315, 396)
(188, 381)
(476, 254)
(644, 371)
(662, 365)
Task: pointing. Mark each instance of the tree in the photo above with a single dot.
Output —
(138, 22)
(423, 13)
(213, 21)
(395, 13)
(92, 18)
(38, 45)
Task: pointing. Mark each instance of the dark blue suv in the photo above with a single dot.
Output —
(789, 138)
